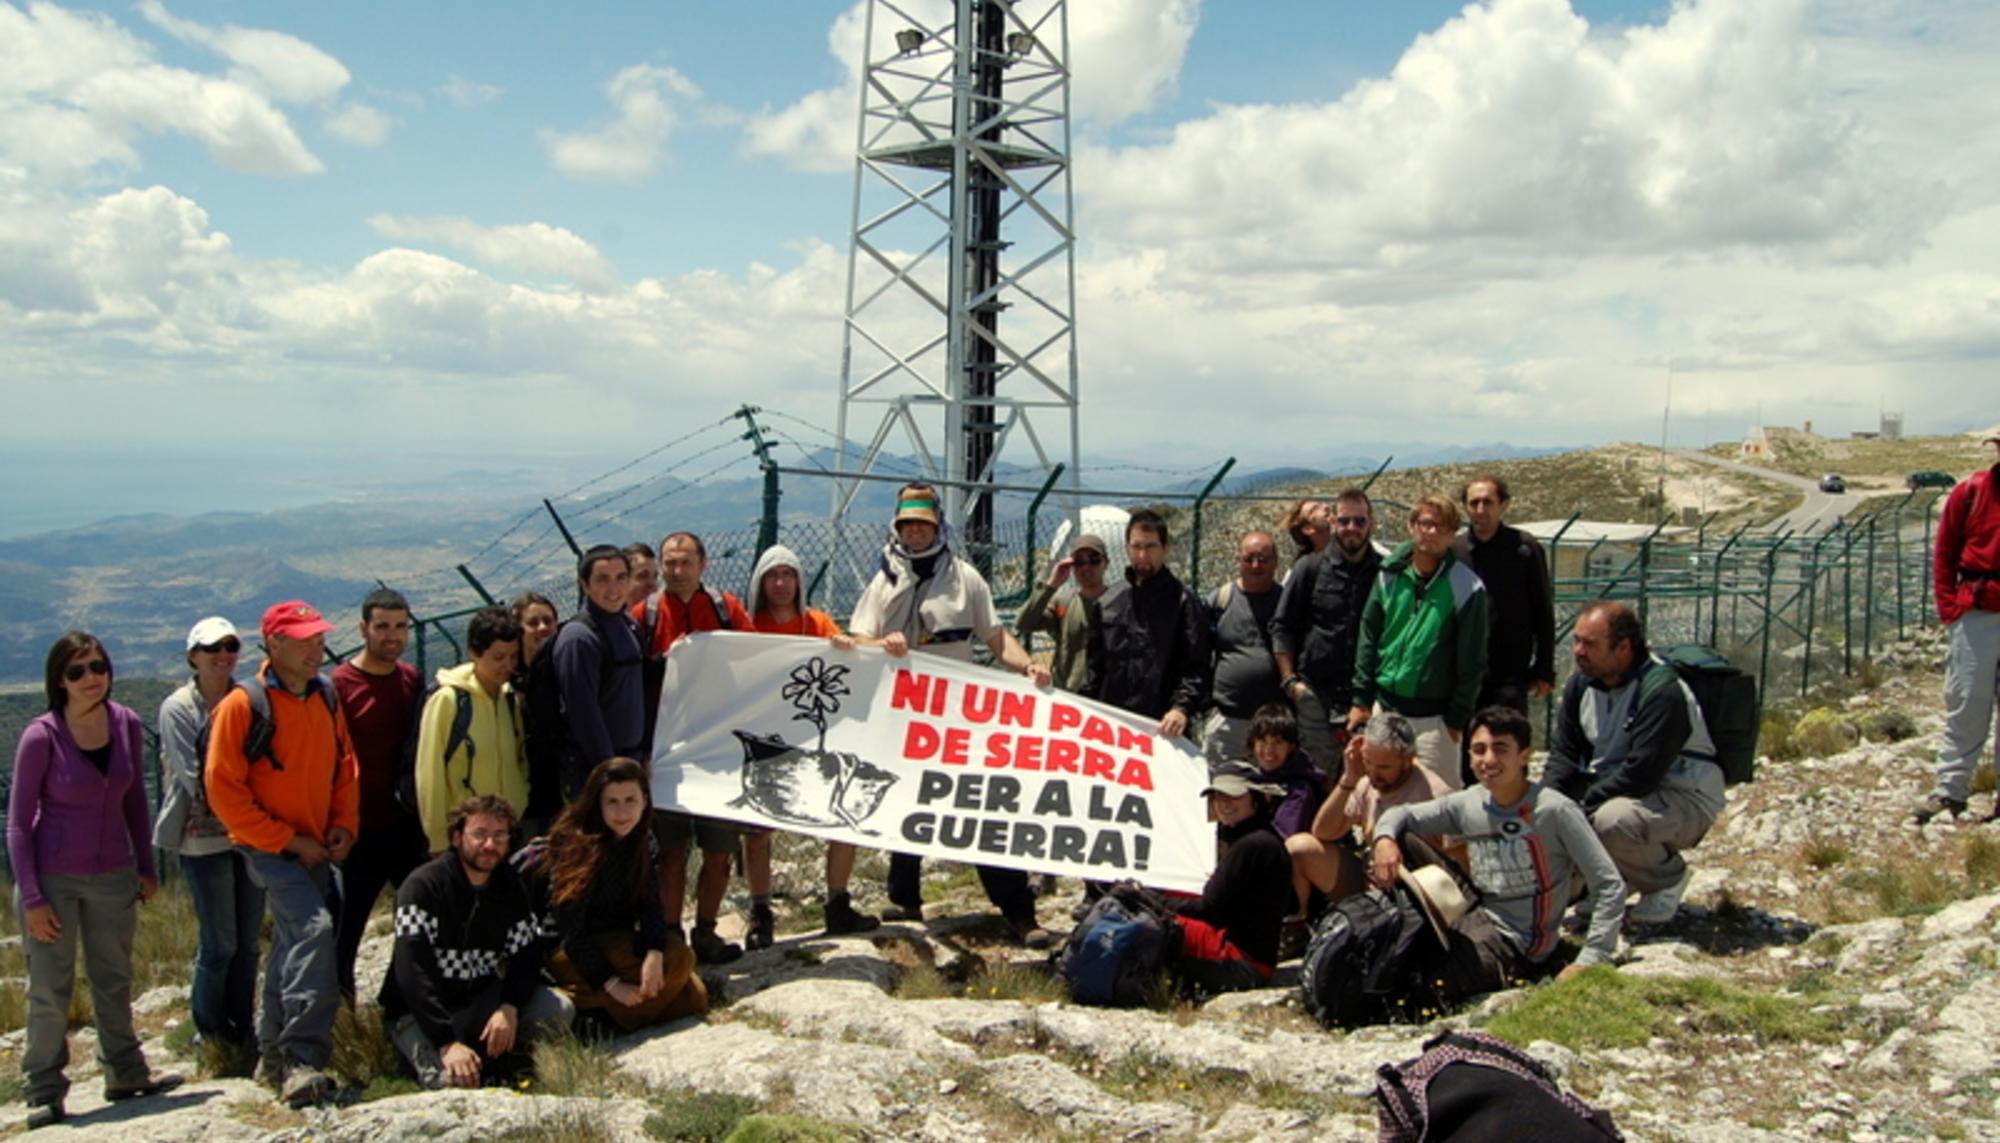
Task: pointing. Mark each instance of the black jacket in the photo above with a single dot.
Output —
(1521, 619)
(461, 951)
(1250, 891)
(1148, 649)
(1319, 620)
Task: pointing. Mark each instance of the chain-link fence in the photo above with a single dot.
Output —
(1794, 608)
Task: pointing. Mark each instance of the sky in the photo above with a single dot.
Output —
(300, 233)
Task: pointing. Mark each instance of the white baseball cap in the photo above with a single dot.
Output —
(210, 631)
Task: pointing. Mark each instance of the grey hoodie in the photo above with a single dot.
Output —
(775, 556)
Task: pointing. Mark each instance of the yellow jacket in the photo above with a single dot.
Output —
(490, 759)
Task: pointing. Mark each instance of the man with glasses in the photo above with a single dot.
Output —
(464, 995)
(1068, 624)
(281, 777)
(1149, 651)
(1239, 623)
(1318, 623)
(1422, 651)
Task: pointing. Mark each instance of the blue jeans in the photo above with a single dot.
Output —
(229, 908)
(301, 994)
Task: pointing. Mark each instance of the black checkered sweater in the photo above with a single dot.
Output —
(461, 951)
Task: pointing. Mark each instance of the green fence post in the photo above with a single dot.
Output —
(1194, 552)
(466, 573)
(1034, 506)
(767, 521)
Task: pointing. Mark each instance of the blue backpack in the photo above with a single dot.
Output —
(1118, 949)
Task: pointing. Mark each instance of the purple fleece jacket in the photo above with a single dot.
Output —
(1305, 789)
(65, 817)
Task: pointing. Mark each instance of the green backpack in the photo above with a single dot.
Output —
(1728, 700)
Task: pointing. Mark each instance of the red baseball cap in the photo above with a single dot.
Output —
(294, 619)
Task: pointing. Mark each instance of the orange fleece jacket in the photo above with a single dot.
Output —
(317, 791)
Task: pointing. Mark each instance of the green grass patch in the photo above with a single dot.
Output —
(362, 1052)
(563, 1123)
(1603, 1008)
(786, 1129)
(698, 1116)
(570, 1066)
(1824, 853)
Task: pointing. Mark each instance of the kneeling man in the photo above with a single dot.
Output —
(1631, 747)
(464, 992)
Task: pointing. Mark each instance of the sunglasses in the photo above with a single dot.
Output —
(1087, 559)
(76, 671)
(228, 646)
(1351, 521)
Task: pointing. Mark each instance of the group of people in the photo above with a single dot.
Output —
(1342, 708)
(1353, 700)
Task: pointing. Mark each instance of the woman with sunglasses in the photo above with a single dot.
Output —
(82, 848)
(228, 906)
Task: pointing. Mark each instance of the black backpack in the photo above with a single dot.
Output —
(1469, 1087)
(459, 737)
(1728, 700)
(1119, 949)
(1370, 961)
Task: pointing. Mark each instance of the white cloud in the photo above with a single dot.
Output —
(361, 125)
(632, 145)
(278, 64)
(1125, 55)
(77, 90)
(536, 248)
(462, 92)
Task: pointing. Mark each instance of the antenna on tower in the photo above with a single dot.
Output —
(963, 136)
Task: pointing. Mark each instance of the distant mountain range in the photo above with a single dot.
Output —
(141, 580)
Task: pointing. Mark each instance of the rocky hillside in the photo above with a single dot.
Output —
(1837, 976)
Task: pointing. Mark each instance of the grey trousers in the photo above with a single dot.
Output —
(1970, 671)
(547, 1016)
(1645, 836)
(100, 910)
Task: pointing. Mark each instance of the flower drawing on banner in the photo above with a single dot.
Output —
(816, 688)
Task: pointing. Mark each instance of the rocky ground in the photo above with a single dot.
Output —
(1834, 977)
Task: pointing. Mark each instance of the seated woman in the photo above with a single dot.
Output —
(1523, 843)
(1273, 743)
(603, 896)
(1229, 935)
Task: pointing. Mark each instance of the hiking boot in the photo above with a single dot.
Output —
(155, 1084)
(843, 918)
(270, 1071)
(1031, 934)
(306, 1086)
(1936, 805)
(897, 911)
(709, 947)
(45, 1114)
(763, 927)
(1659, 906)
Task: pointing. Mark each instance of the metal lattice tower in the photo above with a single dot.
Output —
(964, 135)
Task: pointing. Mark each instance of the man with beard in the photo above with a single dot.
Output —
(1313, 635)
(382, 698)
(464, 994)
(1149, 650)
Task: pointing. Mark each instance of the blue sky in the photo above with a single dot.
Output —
(1315, 223)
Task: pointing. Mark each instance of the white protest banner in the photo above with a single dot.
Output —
(926, 755)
